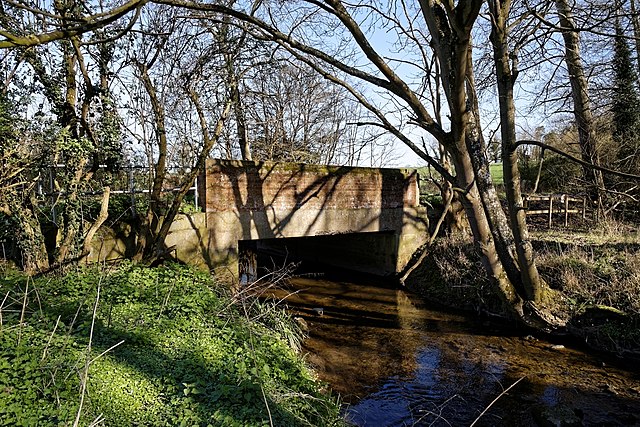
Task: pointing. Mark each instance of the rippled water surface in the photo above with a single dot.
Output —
(395, 362)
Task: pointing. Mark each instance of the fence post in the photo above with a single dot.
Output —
(195, 193)
(584, 208)
(566, 210)
(550, 208)
(132, 192)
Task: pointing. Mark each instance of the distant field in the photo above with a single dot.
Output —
(496, 173)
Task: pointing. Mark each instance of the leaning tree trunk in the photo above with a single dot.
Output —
(102, 217)
(451, 42)
(500, 227)
(482, 233)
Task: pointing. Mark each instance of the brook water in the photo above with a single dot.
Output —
(397, 362)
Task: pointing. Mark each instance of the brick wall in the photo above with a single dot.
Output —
(247, 186)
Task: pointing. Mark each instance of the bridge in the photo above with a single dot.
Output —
(362, 219)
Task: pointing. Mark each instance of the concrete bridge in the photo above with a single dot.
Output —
(364, 219)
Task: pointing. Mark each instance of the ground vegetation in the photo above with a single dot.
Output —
(132, 345)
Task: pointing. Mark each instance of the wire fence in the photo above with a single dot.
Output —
(131, 181)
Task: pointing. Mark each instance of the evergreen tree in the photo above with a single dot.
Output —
(626, 105)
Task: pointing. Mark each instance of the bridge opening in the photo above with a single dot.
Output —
(372, 254)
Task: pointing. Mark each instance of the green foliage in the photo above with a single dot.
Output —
(187, 207)
(626, 104)
(7, 128)
(109, 136)
(431, 200)
(188, 357)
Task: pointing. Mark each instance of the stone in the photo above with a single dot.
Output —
(556, 416)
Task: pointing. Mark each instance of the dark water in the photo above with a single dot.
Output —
(395, 362)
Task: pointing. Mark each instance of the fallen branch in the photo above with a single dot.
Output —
(495, 400)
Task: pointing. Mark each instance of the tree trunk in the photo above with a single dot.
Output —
(32, 247)
(455, 215)
(534, 286)
(500, 228)
(149, 223)
(581, 103)
(452, 44)
(635, 19)
(102, 217)
(483, 236)
(241, 125)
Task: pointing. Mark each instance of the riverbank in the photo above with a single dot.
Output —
(595, 276)
(132, 345)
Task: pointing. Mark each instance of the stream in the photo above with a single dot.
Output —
(397, 362)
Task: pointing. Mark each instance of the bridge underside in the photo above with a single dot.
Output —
(371, 253)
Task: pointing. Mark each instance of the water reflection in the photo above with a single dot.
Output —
(396, 362)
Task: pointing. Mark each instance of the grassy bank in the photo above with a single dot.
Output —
(596, 277)
(148, 346)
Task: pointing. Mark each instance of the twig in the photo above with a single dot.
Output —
(495, 400)
(44, 352)
(99, 419)
(1, 307)
(106, 351)
(85, 374)
(24, 307)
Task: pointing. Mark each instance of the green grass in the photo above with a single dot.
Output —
(496, 173)
(185, 353)
(494, 168)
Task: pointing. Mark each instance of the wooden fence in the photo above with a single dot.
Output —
(563, 204)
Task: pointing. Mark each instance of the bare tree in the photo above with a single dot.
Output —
(449, 26)
(184, 71)
(295, 115)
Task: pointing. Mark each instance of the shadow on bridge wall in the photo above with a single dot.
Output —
(255, 201)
